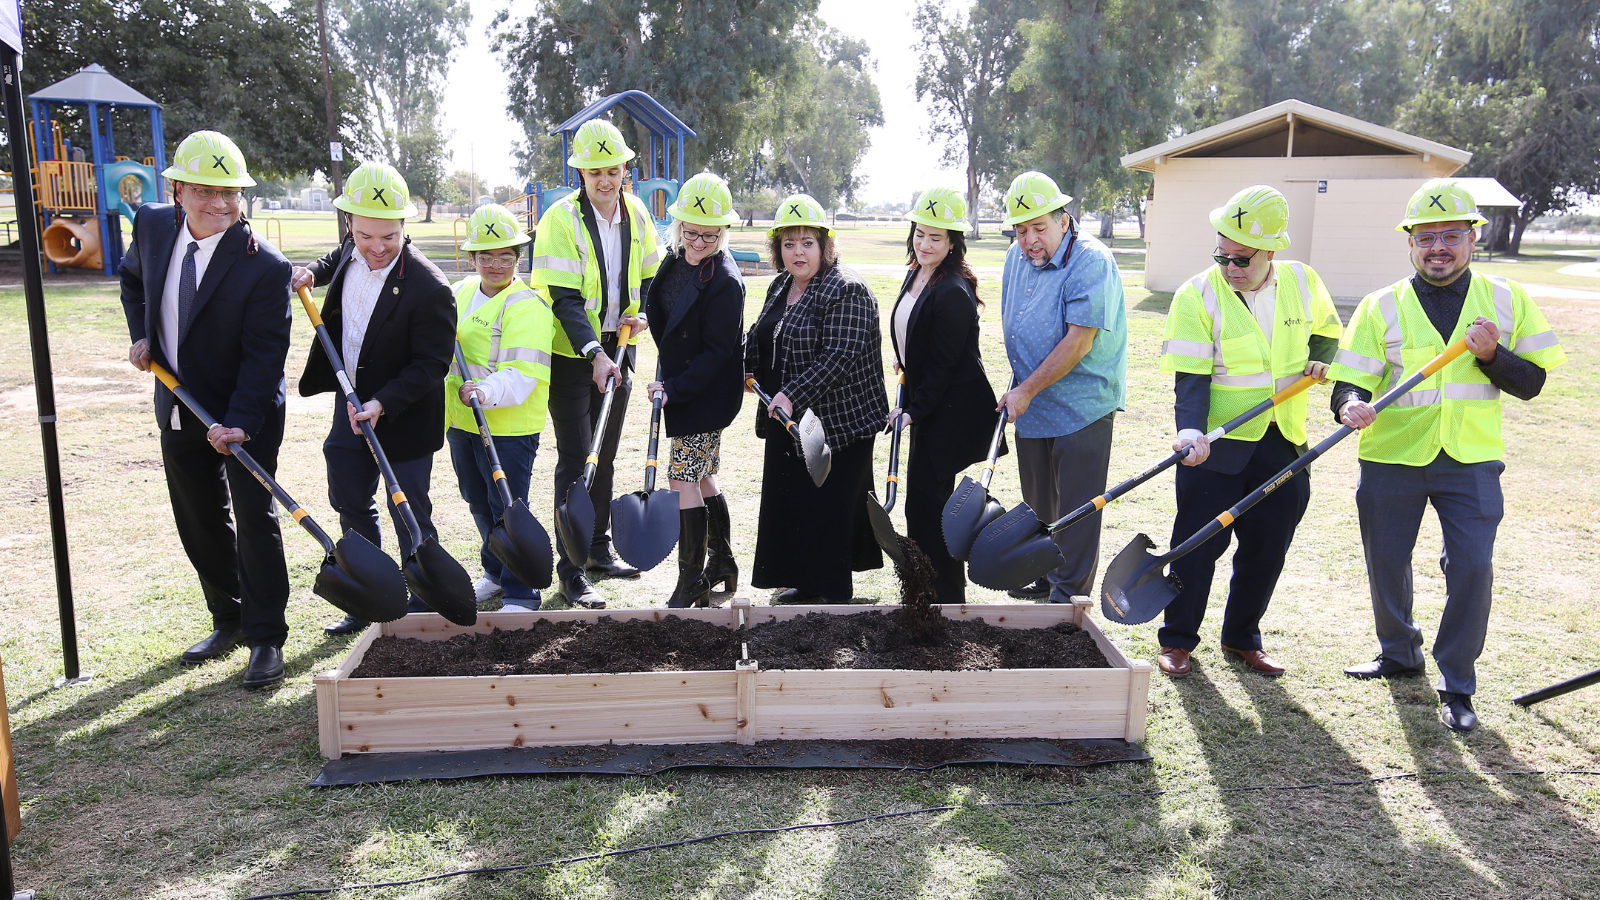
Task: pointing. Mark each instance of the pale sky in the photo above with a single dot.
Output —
(899, 163)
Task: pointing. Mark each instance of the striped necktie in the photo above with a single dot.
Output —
(186, 291)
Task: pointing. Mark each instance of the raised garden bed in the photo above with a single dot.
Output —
(742, 700)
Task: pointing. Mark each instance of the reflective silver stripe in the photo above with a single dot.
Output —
(478, 373)
(1208, 299)
(1471, 392)
(1271, 314)
(1285, 381)
(516, 298)
(1258, 379)
(1187, 348)
(1299, 269)
(652, 259)
(580, 237)
(523, 354)
(1541, 341)
(559, 264)
(1504, 314)
(1428, 397)
(1358, 362)
(1393, 340)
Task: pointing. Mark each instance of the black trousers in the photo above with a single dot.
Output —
(574, 406)
(1265, 533)
(228, 529)
(353, 479)
(927, 487)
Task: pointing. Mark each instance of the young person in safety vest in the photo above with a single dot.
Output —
(595, 254)
(1237, 333)
(504, 328)
(1440, 443)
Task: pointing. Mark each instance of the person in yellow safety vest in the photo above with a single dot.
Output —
(1238, 332)
(594, 255)
(1440, 442)
(504, 328)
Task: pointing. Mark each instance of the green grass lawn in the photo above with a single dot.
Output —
(158, 780)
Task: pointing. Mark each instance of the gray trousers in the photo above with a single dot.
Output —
(1060, 474)
(1466, 496)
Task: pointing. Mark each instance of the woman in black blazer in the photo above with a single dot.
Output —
(696, 305)
(947, 397)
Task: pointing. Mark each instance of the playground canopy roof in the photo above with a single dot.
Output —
(643, 107)
(92, 84)
(1489, 193)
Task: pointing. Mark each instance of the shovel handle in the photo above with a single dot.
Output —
(396, 496)
(893, 487)
(246, 460)
(655, 436)
(592, 462)
(783, 417)
(1226, 518)
(483, 433)
(1098, 503)
(994, 445)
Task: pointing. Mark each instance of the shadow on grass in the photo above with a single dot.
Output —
(1158, 302)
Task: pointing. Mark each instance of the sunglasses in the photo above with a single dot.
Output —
(1242, 262)
(1426, 239)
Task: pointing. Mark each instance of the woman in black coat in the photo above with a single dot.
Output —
(816, 346)
(947, 395)
(696, 310)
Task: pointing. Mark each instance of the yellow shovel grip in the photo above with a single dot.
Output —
(1298, 387)
(311, 308)
(1445, 358)
(165, 376)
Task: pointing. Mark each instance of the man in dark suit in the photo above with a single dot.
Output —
(393, 315)
(209, 301)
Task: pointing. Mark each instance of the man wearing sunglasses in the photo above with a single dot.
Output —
(1238, 332)
(1440, 443)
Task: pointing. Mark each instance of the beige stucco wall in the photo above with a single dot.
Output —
(1347, 233)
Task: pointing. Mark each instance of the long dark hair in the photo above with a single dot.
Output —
(954, 262)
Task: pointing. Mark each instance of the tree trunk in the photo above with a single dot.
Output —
(428, 216)
(1520, 224)
(972, 187)
(1108, 221)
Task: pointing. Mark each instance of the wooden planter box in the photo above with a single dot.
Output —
(747, 704)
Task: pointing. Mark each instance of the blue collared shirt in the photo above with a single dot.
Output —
(1036, 306)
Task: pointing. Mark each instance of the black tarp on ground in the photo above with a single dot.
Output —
(650, 759)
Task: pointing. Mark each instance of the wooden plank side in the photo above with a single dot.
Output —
(326, 685)
(388, 715)
(1138, 702)
(888, 703)
(358, 650)
(1112, 652)
(434, 627)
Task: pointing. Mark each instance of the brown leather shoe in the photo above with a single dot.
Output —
(1173, 661)
(1258, 660)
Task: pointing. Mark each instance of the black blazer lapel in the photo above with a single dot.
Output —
(158, 259)
(222, 260)
(690, 293)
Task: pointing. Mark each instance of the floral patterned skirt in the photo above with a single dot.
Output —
(695, 456)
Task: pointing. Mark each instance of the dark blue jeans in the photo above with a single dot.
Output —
(476, 478)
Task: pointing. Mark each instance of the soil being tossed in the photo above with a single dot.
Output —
(866, 640)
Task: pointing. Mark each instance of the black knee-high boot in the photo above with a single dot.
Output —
(721, 568)
(692, 589)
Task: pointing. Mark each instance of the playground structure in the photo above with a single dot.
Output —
(82, 197)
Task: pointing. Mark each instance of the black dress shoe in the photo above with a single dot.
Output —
(347, 625)
(795, 595)
(217, 644)
(606, 563)
(581, 593)
(265, 668)
(1456, 713)
(1382, 667)
(1036, 591)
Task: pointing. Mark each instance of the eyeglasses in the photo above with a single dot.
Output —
(206, 195)
(1425, 239)
(496, 262)
(699, 238)
(1242, 262)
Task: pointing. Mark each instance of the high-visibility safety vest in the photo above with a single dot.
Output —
(1456, 409)
(564, 256)
(511, 330)
(1210, 331)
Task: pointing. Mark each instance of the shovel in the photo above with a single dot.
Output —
(644, 524)
(808, 434)
(575, 514)
(878, 513)
(431, 573)
(517, 539)
(356, 577)
(1135, 590)
(970, 509)
(1009, 555)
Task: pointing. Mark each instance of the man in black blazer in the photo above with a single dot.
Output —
(209, 301)
(393, 315)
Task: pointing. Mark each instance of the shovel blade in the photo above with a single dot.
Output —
(883, 530)
(362, 581)
(644, 526)
(575, 524)
(1012, 551)
(439, 581)
(968, 511)
(523, 546)
(1135, 590)
(814, 446)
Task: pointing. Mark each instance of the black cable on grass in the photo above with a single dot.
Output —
(1013, 804)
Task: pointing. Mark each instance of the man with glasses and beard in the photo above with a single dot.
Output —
(1237, 333)
(1439, 443)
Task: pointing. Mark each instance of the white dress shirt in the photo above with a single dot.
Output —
(362, 287)
(1263, 303)
(505, 387)
(611, 247)
(902, 321)
(171, 327)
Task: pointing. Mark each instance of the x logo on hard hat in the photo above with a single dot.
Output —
(1238, 219)
(700, 204)
(377, 196)
(930, 206)
(794, 210)
(489, 227)
(1434, 201)
(602, 148)
(1021, 204)
(219, 164)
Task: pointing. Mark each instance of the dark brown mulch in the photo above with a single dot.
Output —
(867, 640)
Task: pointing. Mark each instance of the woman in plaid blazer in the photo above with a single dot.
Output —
(816, 345)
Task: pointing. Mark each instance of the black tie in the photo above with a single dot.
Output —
(186, 291)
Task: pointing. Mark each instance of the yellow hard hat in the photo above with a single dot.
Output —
(598, 145)
(1441, 200)
(799, 209)
(492, 227)
(1257, 216)
(209, 158)
(1031, 195)
(704, 200)
(377, 190)
(940, 207)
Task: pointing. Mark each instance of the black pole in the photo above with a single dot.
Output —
(1556, 690)
(39, 341)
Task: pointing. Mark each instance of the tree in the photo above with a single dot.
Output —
(421, 158)
(965, 60)
(400, 51)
